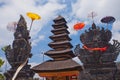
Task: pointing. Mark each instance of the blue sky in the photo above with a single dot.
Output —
(73, 10)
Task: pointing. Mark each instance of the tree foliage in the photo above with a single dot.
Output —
(1, 75)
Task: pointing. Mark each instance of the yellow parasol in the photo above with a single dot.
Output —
(33, 17)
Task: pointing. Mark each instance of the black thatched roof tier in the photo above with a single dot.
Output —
(59, 25)
(60, 32)
(59, 19)
(59, 52)
(62, 43)
(60, 55)
(58, 29)
(61, 29)
(52, 66)
(58, 37)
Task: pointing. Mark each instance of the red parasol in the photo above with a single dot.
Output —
(79, 26)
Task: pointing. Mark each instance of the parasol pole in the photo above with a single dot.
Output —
(33, 16)
(31, 25)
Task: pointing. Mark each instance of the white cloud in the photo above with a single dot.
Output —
(39, 38)
(103, 7)
(81, 9)
(116, 30)
(11, 10)
(75, 21)
(70, 27)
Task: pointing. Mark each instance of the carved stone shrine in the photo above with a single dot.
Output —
(98, 55)
(19, 52)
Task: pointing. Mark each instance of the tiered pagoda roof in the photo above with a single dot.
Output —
(61, 51)
(61, 41)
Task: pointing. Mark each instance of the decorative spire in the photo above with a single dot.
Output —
(21, 30)
(93, 26)
(22, 22)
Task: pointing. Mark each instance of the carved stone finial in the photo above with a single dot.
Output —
(93, 26)
(21, 31)
(22, 22)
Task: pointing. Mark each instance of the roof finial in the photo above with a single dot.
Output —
(92, 15)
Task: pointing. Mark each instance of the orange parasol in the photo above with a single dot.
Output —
(79, 26)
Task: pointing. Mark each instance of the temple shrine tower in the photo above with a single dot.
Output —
(62, 67)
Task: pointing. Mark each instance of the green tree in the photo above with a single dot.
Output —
(1, 75)
(1, 62)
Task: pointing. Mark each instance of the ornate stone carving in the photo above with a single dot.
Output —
(19, 52)
(98, 54)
